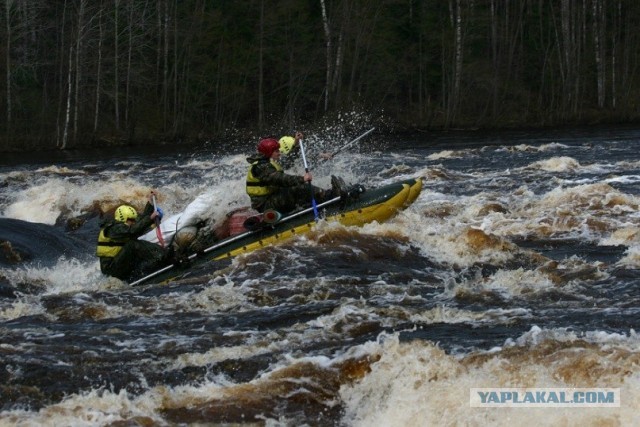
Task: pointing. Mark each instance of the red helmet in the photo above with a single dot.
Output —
(268, 146)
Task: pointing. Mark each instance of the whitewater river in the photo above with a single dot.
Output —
(517, 266)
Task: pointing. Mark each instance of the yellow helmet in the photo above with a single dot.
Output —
(125, 212)
(286, 144)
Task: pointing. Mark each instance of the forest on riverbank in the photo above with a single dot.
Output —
(80, 73)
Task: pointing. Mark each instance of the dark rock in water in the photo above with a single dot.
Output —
(9, 254)
(23, 241)
(6, 290)
(73, 223)
(85, 228)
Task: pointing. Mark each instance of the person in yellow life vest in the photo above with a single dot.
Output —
(290, 150)
(121, 254)
(269, 187)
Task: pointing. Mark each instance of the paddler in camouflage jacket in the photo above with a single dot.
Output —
(121, 254)
(270, 188)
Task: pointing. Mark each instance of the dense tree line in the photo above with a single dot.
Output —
(80, 72)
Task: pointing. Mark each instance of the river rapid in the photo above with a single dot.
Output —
(517, 266)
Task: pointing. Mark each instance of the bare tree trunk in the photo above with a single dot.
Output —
(457, 63)
(568, 51)
(459, 53)
(61, 89)
(421, 77)
(8, 5)
(579, 26)
(165, 71)
(362, 44)
(159, 47)
(337, 70)
(116, 94)
(614, 52)
(327, 35)
(261, 68)
(355, 64)
(67, 115)
(494, 59)
(597, 47)
(292, 95)
(78, 71)
(98, 72)
(175, 70)
(128, 83)
(218, 88)
(183, 102)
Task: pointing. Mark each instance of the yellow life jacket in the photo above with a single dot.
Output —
(254, 186)
(108, 247)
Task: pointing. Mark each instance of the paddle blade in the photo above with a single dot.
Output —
(159, 234)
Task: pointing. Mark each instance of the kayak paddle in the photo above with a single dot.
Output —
(347, 145)
(157, 219)
(306, 169)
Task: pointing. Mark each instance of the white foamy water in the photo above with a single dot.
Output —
(419, 384)
(517, 266)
